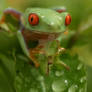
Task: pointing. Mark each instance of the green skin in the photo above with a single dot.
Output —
(50, 22)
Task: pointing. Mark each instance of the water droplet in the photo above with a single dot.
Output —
(59, 73)
(73, 88)
(41, 79)
(79, 66)
(66, 82)
(81, 90)
(33, 90)
(58, 86)
(83, 79)
(42, 16)
(52, 23)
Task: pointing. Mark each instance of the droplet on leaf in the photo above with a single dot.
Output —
(83, 79)
(58, 85)
(59, 73)
(79, 66)
(81, 90)
(73, 88)
(33, 90)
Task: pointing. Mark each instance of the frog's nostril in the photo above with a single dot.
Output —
(68, 20)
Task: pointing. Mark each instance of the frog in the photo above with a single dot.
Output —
(38, 30)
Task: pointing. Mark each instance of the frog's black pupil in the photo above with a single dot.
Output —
(31, 19)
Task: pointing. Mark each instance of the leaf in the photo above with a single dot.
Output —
(30, 79)
(83, 46)
(89, 77)
(7, 74)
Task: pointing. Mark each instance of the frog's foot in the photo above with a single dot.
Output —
(60, 49)
(50, 61)
(32, 57)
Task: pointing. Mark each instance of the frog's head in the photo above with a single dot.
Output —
(46, 20)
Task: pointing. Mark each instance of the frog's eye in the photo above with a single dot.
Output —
(68, 20)
(33, 19)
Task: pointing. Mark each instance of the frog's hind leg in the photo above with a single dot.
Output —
(60, 50)
(10, 12)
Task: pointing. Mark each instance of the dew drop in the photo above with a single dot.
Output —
(58, 86)
(79, 66)
(42, 16)
(81, 90)
(83, 79)
(66, 82)
(59, 73)
(33, 90)
(41, 79)
(52, 23)
(73, 88)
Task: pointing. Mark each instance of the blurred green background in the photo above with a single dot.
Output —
(81, 27)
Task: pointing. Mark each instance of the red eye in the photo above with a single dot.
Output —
(68, 20)
(33, 19)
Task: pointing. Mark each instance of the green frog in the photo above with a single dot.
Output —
(38, 30)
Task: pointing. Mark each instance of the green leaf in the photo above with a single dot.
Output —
(7, 74)
(30, 79)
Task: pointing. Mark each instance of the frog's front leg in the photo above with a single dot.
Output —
(60, 50)
(34, 51)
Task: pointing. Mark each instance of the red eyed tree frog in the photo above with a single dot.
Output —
(38, 30)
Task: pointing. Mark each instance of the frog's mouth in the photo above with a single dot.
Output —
(36, 35)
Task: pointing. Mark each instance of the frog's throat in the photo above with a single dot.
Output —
(36, 35)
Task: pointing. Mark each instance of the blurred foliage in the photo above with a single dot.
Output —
(7, 74)
(78, 41)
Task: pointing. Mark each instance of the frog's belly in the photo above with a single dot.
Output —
(30, 35)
